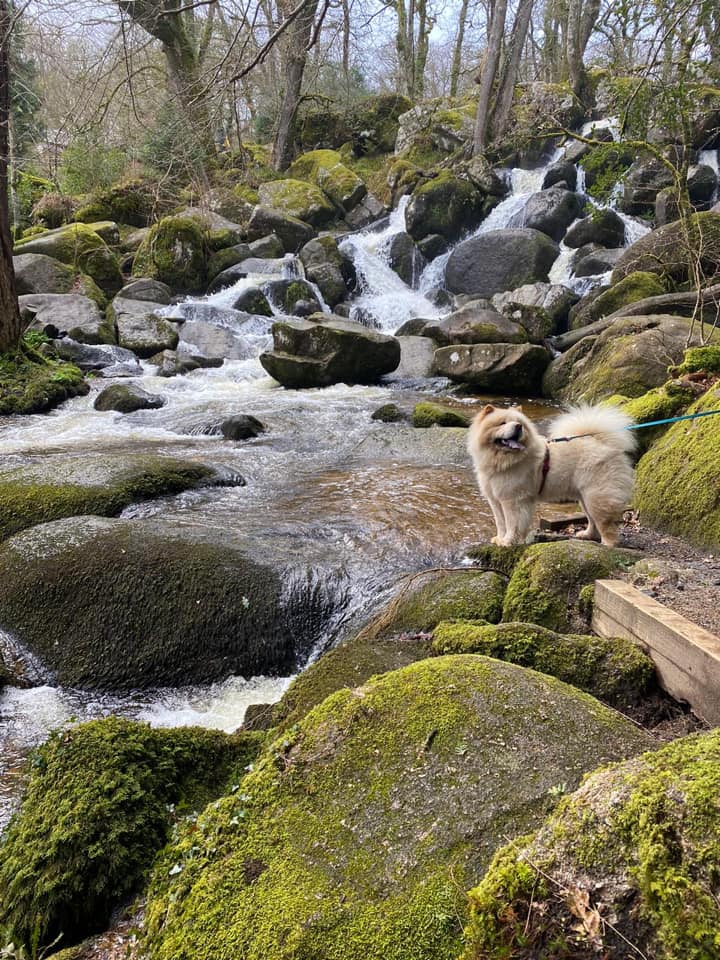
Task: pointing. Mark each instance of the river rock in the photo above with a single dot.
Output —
(643, 181)
(366, 212)
(139, 328)
(417, 358)
(602, 226)
(444, 205)
(200, 339)
(562, 172)
(329, 268)
(96, 356)
(671, 251)
(702, 183)
(229, 256)
(80, 247)
(432, 246)
(241, 426)
(38, 273)
(500, 260)
(252, 300)
(363, 759)
(127, 398)
(405, 258)
(149, 290)
(497, 367)
(598, 262)
(286, 294)
(60, 315)
(292, 232)
(474, 323)
(541, 308)
(550, 211)
(325, 350)
(177, 606)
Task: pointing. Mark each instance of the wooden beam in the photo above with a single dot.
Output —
(686, 656)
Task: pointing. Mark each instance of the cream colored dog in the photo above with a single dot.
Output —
(516, 467)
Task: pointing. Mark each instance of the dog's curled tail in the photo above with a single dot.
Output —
(607, 423)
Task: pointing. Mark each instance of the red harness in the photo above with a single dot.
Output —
(545, 470)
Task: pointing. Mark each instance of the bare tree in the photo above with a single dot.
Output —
(10, 323)
(488, 75)
(296, 42)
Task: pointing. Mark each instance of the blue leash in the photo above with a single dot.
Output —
(640, 426)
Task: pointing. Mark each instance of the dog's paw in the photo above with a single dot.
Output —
(588, 534)
(497, 541)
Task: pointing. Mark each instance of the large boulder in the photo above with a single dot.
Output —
(541, 308)
(139, 328)
(38, 273)
(675, 250)
(63, 868)
(602, 226)
(175, 253)
(550, 211)
(500, 260)
(643, 181)
(445, 205)
(443, 123)
(564, 171)
(127, 398)
(293, 233)
(177, 606)
(144, 289)
(326, 170)
(80, 247)
(474, 323)
(327, 267)
(286, 294)
(96, 357)
(632, 854)
(298, 199)
(336, 847)
(496, 367)
(678, 479)
(593, 262)
(702, 183)
(629, 358)
(404, 258)
(325, 349)
(67, 315)
(212, 342)
(604, 301)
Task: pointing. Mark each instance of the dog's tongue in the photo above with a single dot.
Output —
(514, 445)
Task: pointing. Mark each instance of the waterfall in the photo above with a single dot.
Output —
(710, 158)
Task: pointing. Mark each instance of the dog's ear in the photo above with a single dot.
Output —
(486, 410)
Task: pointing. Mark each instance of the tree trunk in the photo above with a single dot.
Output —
(10, 323)
(457, 52)
(297, 41)
(489, 72)
(582, 17)
(506, 91)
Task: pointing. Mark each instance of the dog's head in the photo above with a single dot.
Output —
(502, 431)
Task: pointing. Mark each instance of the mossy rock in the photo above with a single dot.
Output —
(428, 414)
(464, 594)
(98, 805)
(630, 858)
(132, 201)
(613, 670)
(175, 253)
(74, 486)
(696, 359)
(657, 404)
(327, 171)
(678, 479)
(445, 205)
(337, 847)
(177, 607)
(374, 122)
(673, 251)
(546, 583)
(31, 384)
(295, 198)
(489, 556)
(635, 286)
(80, 247)
(389, 413)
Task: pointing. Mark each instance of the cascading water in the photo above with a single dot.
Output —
(711, 158)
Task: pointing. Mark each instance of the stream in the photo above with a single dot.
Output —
(343, 503)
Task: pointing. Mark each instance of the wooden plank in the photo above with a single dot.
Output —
(686, 656)
(558, 521)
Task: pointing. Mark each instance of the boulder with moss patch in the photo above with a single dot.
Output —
(298, 199)
(67, 314)
(80, 247)
(445, 205)
(98, 805)
(140, 328)
(32, 384)
(660, 403)
(335, 846)
(613, 670)
(133, 201)
(293, 232)
(174, 252)
(676, 250)
(601, 303)
(629, 859)
(428, 414)
(546, 583)
(326, 170)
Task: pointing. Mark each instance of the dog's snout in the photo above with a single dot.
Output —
(516, 431)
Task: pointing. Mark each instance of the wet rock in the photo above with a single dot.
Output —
(326, 350)
(95, 357)
(417, 358)
(38, 273)
(602, 226)
(267, 248)
(60, 315)
(601, 261)
(412, 328)
(667, 208)
(364, 759)
(564, 171)
(540, 308)
(200, 338)
(550, 211)
(500, 260)
(365, 213)
(474, 323)
(229, 256)
(389, 413)
(497, 367)
(326, 266)
(144, 289)
(177, 607)
(405, 258)
(643, 181)
(702, 183)
(139, 328)
(445, 205)
(285, 294)
(293, 233)
(228, 277)
(253, 300)
(126, 398)
(432, 246)
(242, 426)
(170, 363)
(576, 150)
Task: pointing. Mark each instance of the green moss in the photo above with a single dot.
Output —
(389, 413)
(615, 671)
(605, 165)
(76, 244)
(132, 201)
(223, 259)
(428, 414)
(337, 847)
(249, 194)
(98, 805)
(488, 556)
(658, 404)
(325, 168)
(175, 253)
(32, 384)
(636, 286)
(445, 205)
(706, 359)
(545, 586)
(298, 199)
(25, 502)
(675, 251)
(638, 844)
(678, 479)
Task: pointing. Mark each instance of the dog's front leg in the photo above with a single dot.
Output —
(519, 517)
(499, 516)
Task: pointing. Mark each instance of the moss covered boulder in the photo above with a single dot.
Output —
(678, 479)
(38, 273)
(298, 199)
(427, 414)
(326, 170)
(174, 252)
(134, 603)
(132, 201)
(660, 403)
(629, 859)
(635, 286)
(547, 584)
(79, 246)
(613, 670)
(98, 805)
(33, 384)
(673, 250)
(337, 847)
(445, 205)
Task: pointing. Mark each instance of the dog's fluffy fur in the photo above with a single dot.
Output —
(508, 453)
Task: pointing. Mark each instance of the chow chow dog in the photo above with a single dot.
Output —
(516, 467)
